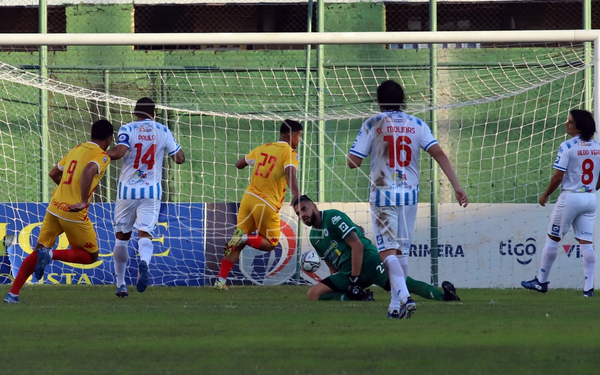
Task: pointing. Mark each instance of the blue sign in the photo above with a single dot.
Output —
(179, 251)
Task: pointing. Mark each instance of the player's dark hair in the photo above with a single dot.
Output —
(102, 130)
(290, 126)
(302, 198)
(144, 108)
(390, 95)
(584, 122)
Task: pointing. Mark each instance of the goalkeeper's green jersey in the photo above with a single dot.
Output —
(328, 240)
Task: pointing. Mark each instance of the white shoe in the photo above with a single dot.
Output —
(220, 285)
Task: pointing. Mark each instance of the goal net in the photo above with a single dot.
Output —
(500, 110)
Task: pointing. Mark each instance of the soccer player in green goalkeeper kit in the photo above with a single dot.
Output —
(347, 252)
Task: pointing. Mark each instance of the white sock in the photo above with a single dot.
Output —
(49, 252)
(589, 263)
(403, 259)
(146, 249)
(548, 256)
(120, 257)
(399, 290)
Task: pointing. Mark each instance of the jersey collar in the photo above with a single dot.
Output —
(320, 226)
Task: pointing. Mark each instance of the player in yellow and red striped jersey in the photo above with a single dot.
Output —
(76, 175)
(275, 166)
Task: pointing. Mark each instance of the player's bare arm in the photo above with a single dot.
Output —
(354, 161)
(355, 290)
(56, 174)
(178, 157)
(441, 158)
(117, 152)
(87, 177)
(357, 252)
(241, 163)
(292, 181)
(555, 182)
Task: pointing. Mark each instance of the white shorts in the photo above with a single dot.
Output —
(577, 209)
(393, 227)
(141, 214)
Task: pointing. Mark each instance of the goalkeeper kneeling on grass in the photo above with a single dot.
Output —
(352, 259)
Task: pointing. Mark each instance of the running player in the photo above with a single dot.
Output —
(576, 168)
(77, 175)
(275, 166)
(394, 138)
(143, 144)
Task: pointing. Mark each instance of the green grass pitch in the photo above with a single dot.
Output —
(276, 330)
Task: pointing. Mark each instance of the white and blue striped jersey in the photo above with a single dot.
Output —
(581, 162)
(141, 174)
(394, 140)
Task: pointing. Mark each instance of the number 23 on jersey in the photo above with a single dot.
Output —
(265, 167)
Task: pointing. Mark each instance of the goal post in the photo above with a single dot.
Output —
(330, 38)
(501, 100)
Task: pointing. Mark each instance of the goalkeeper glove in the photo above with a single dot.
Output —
(355, 291)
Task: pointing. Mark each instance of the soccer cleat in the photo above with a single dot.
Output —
(589, 293)
(235, 241)
(122, 291)
(535, 285)
(449, 292)
(220, 285)
(43, 260)
(368, 295)
(394, 314)
(407, 308)
(142, 281)
(9, 298)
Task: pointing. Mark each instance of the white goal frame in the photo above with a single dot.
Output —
(427, 37)
(575, 36)
(327, 38)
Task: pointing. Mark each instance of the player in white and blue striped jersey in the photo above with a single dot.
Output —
(142, 144)
(394, 140)
(576, 168)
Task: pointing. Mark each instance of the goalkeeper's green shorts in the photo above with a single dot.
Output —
(372, 273)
